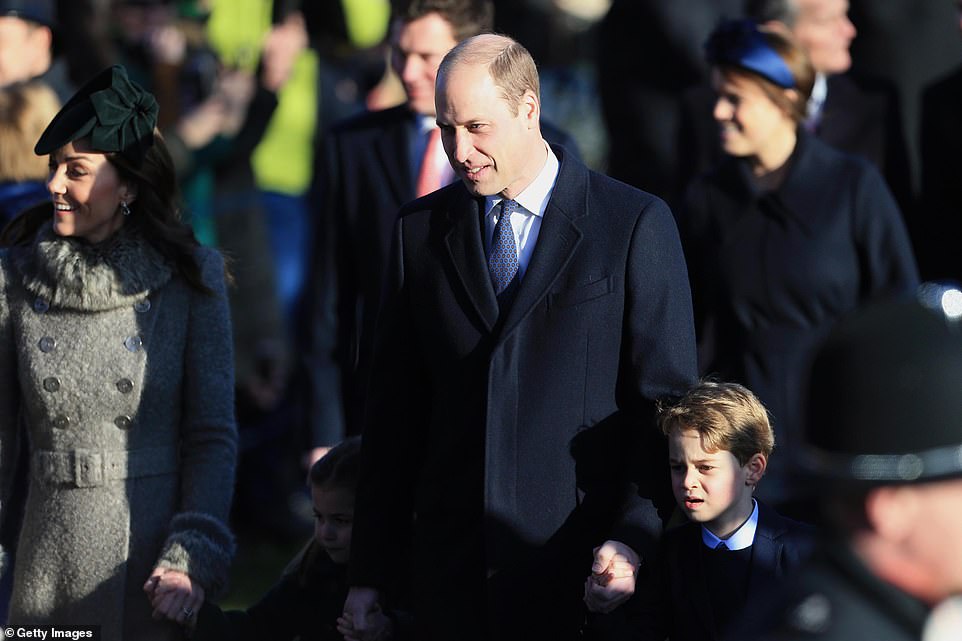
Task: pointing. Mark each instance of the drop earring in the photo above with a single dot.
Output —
(124, 208)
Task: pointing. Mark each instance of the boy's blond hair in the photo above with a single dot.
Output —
(728, 416)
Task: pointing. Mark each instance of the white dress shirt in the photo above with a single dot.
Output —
(816, 102)
(743, 537)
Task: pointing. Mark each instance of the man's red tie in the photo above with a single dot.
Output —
(429, 178)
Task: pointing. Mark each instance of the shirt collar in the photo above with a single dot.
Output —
(742, 538)
(819, 93)
(535, 196)
(426, 123)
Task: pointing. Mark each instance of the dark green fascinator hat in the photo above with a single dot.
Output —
(116, 114)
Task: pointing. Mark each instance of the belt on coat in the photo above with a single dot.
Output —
(92, 468)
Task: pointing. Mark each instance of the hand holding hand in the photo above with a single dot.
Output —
(174, 595)
(613, 577)
(363, 619)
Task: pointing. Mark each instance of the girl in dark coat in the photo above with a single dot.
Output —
(786, 235)
(307, 600)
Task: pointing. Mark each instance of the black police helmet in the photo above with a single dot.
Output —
(886, 394)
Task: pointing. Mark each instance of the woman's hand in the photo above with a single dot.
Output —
(174, 595)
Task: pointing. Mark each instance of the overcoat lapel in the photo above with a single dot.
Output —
(557, 240)
(391, 146)
(466, 250)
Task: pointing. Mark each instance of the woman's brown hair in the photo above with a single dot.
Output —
(155, 212)
(797, 62)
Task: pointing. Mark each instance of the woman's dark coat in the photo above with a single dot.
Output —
(772, 271)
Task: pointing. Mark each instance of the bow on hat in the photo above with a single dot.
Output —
(126, 115)
(117, 115)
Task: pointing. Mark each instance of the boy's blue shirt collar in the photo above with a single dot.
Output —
(742, 538)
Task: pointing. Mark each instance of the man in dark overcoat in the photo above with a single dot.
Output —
(535, 311)
(883, 439)
(369, 166)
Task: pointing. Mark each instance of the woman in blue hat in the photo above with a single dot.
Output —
(785, 235)
(116, 374)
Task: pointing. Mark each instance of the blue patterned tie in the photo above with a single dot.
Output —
(503, 260)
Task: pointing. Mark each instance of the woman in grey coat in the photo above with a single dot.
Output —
(116, 374)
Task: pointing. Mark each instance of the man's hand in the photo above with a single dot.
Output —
(613, 575)
(362, 619)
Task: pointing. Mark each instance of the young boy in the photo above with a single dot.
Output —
(732, 547)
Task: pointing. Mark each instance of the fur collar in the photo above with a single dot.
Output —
(70, 273)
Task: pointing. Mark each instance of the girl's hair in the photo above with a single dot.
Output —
(155, 212)
(340, 467)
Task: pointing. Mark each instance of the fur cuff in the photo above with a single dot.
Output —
(201, 546)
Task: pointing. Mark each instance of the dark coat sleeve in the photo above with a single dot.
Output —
(385, 487)
(323, 359)
(275, 617)
(885, 252)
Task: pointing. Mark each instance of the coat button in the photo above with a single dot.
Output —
(51, 384)
(123, 422)
(40, 305)
(61, 421)
(125, 385)
(142, 306)
(133, 343)
(47, 344)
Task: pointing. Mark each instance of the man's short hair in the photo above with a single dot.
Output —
(511, 66)
(466, 17)
(728, 416)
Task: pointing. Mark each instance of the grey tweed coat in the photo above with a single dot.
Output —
(122, 376)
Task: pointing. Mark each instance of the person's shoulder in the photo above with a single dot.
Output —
(828, 601)
(441, 200)
(371, 122)
(860, 87)
(205, 255)
(775, 524)
(946, 88)
(685, 535)
(723, 183)
(210, 262)
(818, 157)
(619, 198)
